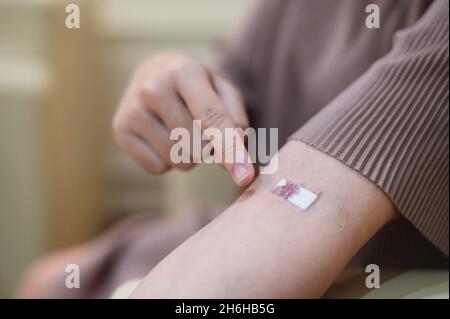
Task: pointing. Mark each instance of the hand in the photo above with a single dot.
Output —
(170, 91)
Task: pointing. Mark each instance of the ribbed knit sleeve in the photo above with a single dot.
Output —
(391, 125)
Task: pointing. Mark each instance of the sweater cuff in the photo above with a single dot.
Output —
(391, 125)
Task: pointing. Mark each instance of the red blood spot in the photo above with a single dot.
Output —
(285, 191)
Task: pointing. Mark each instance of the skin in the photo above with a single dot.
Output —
(263, 247)
(169, 91)
(260, 246)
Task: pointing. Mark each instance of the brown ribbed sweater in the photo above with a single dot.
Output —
(375, 99)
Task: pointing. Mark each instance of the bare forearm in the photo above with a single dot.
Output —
(263, 247)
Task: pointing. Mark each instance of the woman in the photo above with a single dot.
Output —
(365, 113)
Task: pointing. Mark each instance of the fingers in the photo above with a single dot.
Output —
(144, 137)
(203, 102)
(168, 107)
(232, 100)
(169, 92)
(141, 152)
(156, 135)
(161, 99)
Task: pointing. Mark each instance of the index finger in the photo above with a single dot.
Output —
(195, 87)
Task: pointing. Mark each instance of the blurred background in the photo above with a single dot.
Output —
(62, 180)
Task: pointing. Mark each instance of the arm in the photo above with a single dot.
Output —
(263, 247)
(169, 91)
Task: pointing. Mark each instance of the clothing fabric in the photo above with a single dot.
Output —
(374, 99)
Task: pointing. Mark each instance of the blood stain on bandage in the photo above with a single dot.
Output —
(294, 194)
(285, 191)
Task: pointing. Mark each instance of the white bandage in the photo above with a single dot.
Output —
(331, 218)
(294, 194)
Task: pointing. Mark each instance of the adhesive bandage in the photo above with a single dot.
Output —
(294, 194)
(331, 218)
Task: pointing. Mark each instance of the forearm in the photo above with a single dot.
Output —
(264, 247)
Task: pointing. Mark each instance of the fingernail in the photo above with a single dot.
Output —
(240, 172)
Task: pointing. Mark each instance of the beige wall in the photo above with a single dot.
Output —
(61, 177)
